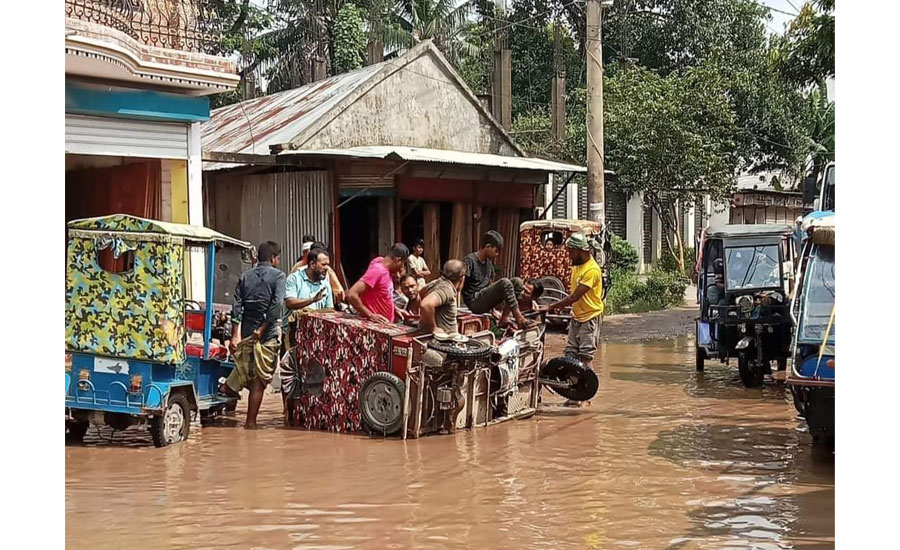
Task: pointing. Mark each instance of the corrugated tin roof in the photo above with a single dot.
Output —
(420, 154)
(278, 118)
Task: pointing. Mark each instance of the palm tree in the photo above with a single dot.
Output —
(443, 22)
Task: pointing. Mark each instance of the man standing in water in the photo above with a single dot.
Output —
(478, 293)
(585, 297)
(256, 315)
(372, 296)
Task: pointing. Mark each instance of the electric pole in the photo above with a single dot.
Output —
(594, 58)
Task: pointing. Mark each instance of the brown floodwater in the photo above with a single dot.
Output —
(663, 457)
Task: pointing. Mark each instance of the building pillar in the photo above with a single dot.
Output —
(656, 238)
(385, 224)
(193, 189)
(690, 220)
(634, 226)
(572, 201)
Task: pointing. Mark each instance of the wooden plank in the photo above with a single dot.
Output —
(431, 214)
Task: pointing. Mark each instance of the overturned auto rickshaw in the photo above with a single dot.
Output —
(137, 351)
(352, 375)
(543, 257)
(811, 378)
(743, 286)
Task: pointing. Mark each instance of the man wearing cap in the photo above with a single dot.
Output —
(586, 299)
(478, 293)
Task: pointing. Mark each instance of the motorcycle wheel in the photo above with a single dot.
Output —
(582, 378)
(751, 374)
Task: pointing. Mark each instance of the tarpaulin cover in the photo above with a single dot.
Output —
(137, 314)
(351, 349)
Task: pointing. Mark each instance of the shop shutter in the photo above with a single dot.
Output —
(123, 137)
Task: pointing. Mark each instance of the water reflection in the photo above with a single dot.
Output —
(663, 458)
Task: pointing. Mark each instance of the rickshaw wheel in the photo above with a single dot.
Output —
(751, 375)
(174, 425)
(381, 403)
(75, 431)
(700, 358)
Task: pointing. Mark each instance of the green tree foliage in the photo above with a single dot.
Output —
(446, 22)
(672, 138)
(349, 39)
(806, 52)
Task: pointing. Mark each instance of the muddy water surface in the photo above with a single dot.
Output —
(663, 458)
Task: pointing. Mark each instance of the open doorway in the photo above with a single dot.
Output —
(359, 236)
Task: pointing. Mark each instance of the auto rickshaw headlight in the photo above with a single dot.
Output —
(84, 378)
(745, 303)
(136, 381)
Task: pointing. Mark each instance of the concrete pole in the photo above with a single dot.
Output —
(593, 47)
(558, 93)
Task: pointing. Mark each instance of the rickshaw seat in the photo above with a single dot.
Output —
(216, 351)
(194, 320)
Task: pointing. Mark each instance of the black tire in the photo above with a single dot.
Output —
(750, 373)
(583, 379)
(381, 403)
(75, 431)
(165, 429)
(470, 350)
(552, 282)
(700, 358)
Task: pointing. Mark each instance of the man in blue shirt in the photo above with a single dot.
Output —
(308, 288)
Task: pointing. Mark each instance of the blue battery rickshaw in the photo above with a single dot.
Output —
(812, 377)
(137, 351)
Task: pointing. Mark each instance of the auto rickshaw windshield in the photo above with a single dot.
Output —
(818, 296)
(749, 267)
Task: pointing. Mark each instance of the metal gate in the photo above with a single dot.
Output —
(123, 137)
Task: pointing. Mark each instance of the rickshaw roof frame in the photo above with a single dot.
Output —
(189, 233)
(571, 225)
(734, 231)
(822, 230)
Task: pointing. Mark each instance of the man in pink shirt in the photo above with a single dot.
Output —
(373, 295)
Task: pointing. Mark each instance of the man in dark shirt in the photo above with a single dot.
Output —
(478, 293)
(256, 316)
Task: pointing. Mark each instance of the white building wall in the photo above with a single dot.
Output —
(634, 226)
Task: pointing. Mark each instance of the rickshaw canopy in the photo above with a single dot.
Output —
(137, 227)
(735, 231)
(562, 224)
(821, 230)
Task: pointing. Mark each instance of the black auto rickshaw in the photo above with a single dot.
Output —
(743, 288)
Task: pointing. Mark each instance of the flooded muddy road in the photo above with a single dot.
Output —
(664, 457)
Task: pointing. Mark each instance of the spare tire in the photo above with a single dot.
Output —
(381, 403)
(461, 351)
(581, 382)
(549, 281)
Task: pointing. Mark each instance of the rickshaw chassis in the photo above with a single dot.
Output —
(814, 400)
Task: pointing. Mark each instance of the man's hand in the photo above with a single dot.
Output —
(377, 318)
(258, 333)
(319, 295)
(545, 308)
(233, 343)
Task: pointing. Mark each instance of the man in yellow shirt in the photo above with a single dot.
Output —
(585, 297)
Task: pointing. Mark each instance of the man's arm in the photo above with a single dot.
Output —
(237, 312)
(355, 300)
(300, 303)
(276, 307)
(426, 312)
(580, 291)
